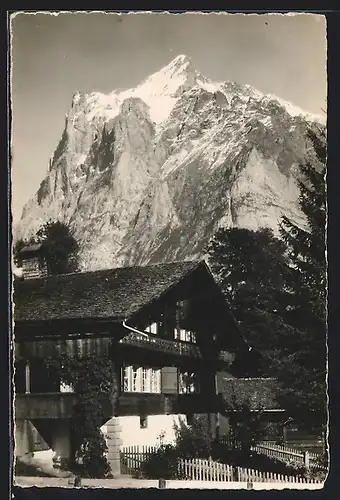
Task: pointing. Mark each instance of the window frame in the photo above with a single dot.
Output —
(141, 380)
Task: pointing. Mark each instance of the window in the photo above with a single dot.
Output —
(155, 380)
(184, 335)
(188, 383)
(66, 387)
(135, 379)
(143, 422)
(146, 376)
(152, 328)
(127, 379)
(141, 379)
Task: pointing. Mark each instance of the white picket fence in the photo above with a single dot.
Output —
(198, 469)
(132, 457)
(286, 454)
(254, 476)
(205, 470)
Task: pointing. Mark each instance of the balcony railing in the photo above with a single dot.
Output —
(175, 347)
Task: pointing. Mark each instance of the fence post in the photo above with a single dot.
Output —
(306, 459)
(161, 484)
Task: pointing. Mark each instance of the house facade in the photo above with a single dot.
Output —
(167, 329)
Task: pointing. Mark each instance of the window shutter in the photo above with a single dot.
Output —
(169, 380)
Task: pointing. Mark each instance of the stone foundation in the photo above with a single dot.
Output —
(113, 440)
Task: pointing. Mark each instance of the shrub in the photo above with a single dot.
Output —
(194, 441)
(252, 460)
(162, 464)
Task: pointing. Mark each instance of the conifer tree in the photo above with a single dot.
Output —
(251, 268)
(303, 369)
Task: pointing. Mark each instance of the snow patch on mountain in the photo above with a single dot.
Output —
(148, 174)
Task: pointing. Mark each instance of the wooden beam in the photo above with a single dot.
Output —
(27, 378)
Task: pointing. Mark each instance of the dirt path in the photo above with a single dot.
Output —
(58, 482)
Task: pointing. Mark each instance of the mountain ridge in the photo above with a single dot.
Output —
(148, 174)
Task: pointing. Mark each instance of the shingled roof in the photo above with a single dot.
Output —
(35, 247)
(113, 293)
(258, 393)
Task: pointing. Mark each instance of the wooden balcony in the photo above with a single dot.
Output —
(161, 404)
(44, 405)
(173, 347)
(144, 404)
(60, 405)
(51, 405)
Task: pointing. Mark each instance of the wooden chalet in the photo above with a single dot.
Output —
(166, 327)
(32, 259)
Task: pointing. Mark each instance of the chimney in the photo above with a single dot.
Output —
(32, 261)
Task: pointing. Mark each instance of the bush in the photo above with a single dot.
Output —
(320, 467)
(257, 461)
(162, 464)
(194, 441)
(247, 426)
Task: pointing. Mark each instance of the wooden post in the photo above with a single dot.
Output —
(217, 414)
(27, 378)
(306, 459)
(161, 484)
(217, 427)
(77, 481)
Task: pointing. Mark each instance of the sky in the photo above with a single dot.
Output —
(53, 56)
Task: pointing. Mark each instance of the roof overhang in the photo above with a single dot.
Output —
(68, 328)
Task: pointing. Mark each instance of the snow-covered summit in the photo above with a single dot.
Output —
(147, 174)
(161, 91)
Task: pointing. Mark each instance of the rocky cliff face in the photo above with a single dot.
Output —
(148, 174)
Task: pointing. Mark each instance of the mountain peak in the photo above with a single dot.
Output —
(180, 60)
(180, 65)
(147, 174)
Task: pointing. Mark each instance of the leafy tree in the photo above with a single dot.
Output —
(59, 245)
(304, 366)
(194, 441)
(251, 268)
(93, 380)
(247, 427)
